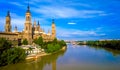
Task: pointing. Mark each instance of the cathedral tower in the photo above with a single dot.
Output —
(28, 26)
(53, 30)
(8, 23)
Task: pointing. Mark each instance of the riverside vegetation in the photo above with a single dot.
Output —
(9, 54)
(12, 55)
(51, 46)
(113, 44)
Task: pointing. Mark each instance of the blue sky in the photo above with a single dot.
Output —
(75, 19)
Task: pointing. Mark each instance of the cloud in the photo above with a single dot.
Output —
(16, 3)
(74, 3)
(71, 23)
(73, 33)
(66, 12)
(19, 22)
(105, 14)
(61, 11)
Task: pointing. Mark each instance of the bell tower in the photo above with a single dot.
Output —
(53, 30)
(28, 26)
(8, 23)
(28, 14)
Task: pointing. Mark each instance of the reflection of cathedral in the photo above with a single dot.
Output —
(54, 65)
(30, 31)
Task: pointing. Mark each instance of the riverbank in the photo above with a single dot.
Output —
(112, 44)
(35, 56)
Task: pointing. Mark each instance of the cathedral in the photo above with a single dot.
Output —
(30, 31)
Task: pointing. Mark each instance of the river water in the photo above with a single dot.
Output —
(75, 57)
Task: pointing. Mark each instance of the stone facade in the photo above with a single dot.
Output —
(30, 32)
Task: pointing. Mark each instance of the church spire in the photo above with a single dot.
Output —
(38, 23)
(28, 7)
(52, 21)
(8, 13)
(28, 14)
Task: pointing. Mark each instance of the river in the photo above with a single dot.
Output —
(75, 57)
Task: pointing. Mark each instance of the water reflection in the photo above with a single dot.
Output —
(54, 65)
(38, 64)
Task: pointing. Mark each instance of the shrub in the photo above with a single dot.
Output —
(25, 42)
(12, 55)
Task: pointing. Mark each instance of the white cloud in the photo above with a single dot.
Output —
(36, 2)
(19, 22)
(73, 3)
(105, 14)
(71, 33)
(65, 12)
(17, 4)
(71, 23)
(55, 11)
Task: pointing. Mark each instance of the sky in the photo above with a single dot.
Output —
(74, 19)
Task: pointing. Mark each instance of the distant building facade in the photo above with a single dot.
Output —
(30, 32)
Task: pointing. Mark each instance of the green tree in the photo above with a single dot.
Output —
(62, 43)
(113, 44)
(50, 46)
(12, 55)
(53, 47)
(25, 42)
(4, 45)
(55, 41)
(39, 41)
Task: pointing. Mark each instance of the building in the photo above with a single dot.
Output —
(30, 31)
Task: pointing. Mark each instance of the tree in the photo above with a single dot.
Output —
(39, 41)
(113, 44)
(62, 43)
(12, 55)
(4, 44)
(55, 41)
(25, 42)
(50, 46)
(53, 47)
